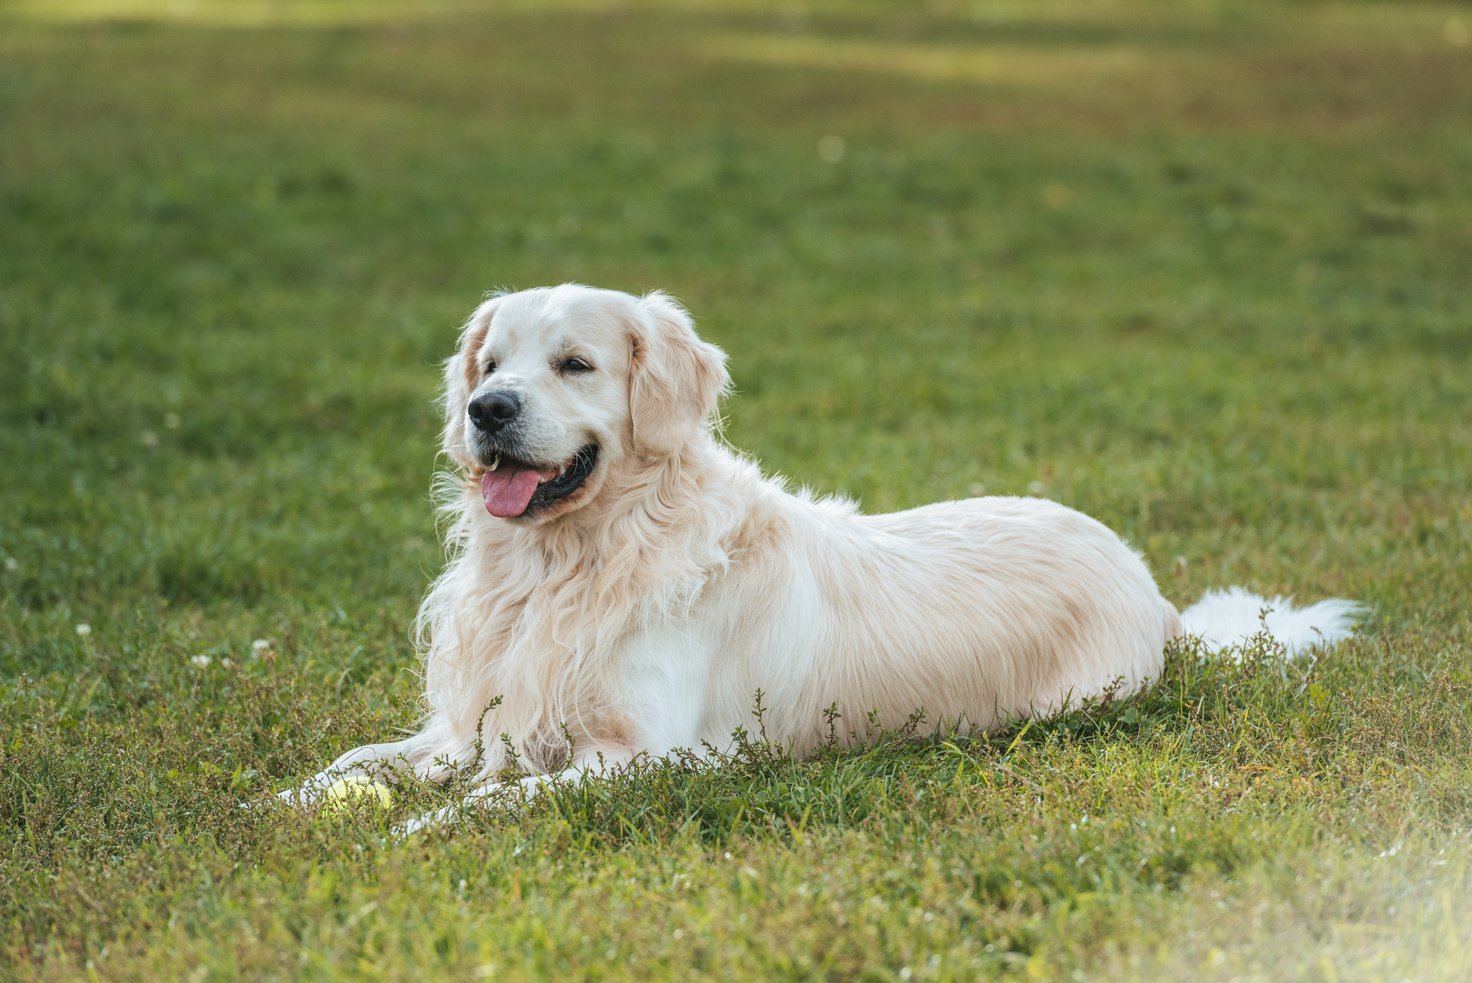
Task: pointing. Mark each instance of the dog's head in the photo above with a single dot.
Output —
(553, 389)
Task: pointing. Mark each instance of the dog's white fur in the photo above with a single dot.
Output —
(642, 613)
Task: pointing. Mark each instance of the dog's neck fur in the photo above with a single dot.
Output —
(646, 528)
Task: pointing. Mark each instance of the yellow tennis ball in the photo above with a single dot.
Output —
(355, 792)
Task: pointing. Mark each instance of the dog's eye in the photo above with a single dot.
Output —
(490, 366)
(574, 366)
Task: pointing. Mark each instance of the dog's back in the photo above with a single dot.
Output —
(974, 611)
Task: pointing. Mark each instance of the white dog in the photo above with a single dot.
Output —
(622, 584)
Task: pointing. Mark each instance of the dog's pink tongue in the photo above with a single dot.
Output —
(507, 490)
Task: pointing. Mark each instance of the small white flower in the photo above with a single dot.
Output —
(201, 660)
(261, 646)
(11, 564)
(84, 629)
(225, 663)
(1035, 487)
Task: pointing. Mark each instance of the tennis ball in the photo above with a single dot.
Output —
(353, 792)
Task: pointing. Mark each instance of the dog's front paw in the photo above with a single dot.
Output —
(308, 794)
(427, 820)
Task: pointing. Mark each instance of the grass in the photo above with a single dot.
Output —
(1197, 269)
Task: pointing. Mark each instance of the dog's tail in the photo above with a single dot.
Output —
(1226, 619)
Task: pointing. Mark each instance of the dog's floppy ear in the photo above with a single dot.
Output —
(462, 373)
(675, 379)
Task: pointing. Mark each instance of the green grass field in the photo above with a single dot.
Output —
(1199, 269)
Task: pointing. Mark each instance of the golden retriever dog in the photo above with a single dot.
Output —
(621, 583)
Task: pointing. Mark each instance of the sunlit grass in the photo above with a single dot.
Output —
(233, 13)
(942, 62)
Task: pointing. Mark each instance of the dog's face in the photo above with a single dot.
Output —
(554, 389)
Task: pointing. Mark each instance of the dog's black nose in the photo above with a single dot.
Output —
(493, 410)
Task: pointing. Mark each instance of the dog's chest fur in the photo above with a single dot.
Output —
(528, 628)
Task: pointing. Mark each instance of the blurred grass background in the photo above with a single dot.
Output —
(1199, 269)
